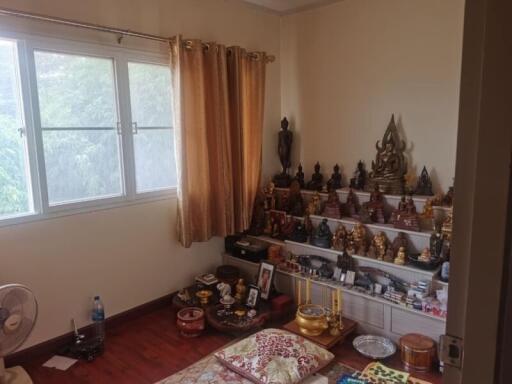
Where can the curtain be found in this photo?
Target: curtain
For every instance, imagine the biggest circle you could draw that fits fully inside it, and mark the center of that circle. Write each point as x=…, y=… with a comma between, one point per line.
x=218, y=113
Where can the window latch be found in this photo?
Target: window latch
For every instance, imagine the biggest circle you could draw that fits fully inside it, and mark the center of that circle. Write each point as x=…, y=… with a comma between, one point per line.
x=135, y=128
x=119, y=128
x=21, y=131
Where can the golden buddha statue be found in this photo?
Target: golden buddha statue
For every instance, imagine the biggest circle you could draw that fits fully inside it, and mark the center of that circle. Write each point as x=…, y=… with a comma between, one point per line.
x=339, y=239
x=315, y=205
x=380, y=244
x=358, y=235
x=425, y=256
x=400, y=256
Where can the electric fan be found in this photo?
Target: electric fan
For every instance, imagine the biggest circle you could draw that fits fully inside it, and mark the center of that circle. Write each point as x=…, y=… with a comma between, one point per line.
x=18, y=313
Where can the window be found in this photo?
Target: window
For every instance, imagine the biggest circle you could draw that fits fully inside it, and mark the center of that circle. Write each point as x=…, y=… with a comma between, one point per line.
x=15, y=189
x=82, y=125
x=150, y=98
x=78, y=114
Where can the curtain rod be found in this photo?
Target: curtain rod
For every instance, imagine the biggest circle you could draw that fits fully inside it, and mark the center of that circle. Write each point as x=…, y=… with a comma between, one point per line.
x=91, y=26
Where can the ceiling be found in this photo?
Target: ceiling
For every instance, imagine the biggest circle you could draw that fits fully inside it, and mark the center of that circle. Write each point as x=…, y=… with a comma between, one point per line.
x=289, y=6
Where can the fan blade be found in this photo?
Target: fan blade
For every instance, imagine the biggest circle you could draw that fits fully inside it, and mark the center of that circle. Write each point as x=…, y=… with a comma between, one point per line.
x=9, y=342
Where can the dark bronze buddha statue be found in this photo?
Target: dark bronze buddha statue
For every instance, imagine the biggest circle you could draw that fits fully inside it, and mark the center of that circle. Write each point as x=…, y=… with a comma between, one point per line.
x=335, y=181
x=389, y=167
x=424, y=185
x=360, y=175
x=284, y=149
x=316, y=182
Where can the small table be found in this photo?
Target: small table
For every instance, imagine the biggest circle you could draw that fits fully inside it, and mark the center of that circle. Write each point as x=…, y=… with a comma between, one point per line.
x=326, y=340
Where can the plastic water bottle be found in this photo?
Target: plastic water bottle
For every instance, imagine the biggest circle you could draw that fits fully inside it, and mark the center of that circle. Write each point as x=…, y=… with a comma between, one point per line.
x=98, y=317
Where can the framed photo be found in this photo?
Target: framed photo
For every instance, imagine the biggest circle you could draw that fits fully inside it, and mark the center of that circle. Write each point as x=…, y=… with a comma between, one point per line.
x=253, y=296
x=265, y=278
x=337, y=274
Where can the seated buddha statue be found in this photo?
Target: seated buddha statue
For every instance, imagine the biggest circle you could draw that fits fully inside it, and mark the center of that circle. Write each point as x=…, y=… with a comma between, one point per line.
x=332, y=207
x=351, y=204
x=358, y=235
x=408, y=218
x=316, y=182
x=389, y=167
x=375, y=206
x=340, y=238
x=295, y=200
x=322, y=235
x=335, y=181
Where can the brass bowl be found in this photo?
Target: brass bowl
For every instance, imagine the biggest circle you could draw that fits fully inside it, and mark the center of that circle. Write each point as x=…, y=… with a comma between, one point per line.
x=204, y=296
x=311, y=319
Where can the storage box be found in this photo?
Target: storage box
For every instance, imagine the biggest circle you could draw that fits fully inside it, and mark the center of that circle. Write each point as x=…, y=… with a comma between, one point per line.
x=250, y=250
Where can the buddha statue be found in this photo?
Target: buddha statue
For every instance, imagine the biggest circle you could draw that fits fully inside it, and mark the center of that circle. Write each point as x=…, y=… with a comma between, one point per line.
x=424, y=185
x=295, y=200
x=270, y=196
x=359, y=180
x=282, y=201
x=339, y=239
x=446, y=228
x=389, y=256
x=287, y=229
x=284, y=149
x=332, y=207
x=299, y=176
x=447, y=200
x=316, y=182
x=358, y=234
x=380, y=244
x=299, y=234
x=258, y=215
x=436, y=243
x=389, y=168
x=425, y=256
x=322, y=235
x=402, y=207
x=428, y=210
x=375, y=206
x=351, y=204
x=408, y=218
x=400, y=241
x=240, y=290
x=335, y=181
x=400, y=257
x=315, y=205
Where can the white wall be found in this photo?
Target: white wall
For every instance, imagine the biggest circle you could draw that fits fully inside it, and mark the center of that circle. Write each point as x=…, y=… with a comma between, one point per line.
x=128, y=255
x=347, y=66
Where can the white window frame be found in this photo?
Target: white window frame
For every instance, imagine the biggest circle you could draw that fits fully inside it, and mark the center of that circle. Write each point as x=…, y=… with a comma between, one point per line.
x=26, y=46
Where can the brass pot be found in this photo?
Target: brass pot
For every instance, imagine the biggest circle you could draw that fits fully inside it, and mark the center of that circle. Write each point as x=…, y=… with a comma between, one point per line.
x=204, y=296
x=311, y=319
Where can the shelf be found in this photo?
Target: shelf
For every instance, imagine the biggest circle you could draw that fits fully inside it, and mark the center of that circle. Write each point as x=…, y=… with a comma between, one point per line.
x=369, y=260
x=381, y=227
x=345, y=289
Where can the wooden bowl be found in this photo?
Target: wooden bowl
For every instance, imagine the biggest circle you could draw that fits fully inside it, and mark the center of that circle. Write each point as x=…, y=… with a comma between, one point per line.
x=191, y=321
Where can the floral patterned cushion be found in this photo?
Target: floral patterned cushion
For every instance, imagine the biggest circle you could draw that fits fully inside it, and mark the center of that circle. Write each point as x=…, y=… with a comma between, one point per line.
x=274, y=356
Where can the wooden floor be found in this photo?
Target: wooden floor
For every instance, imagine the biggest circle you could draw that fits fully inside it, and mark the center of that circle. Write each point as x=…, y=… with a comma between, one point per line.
x=149, y=348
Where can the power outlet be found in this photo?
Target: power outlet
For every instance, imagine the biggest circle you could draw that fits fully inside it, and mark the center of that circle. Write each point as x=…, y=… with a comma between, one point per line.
x=451, y=350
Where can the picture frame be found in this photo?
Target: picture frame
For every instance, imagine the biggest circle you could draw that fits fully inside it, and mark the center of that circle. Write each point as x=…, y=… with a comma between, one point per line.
x=337, y=274
x=265, y=278
x=350, y=278
x=253, y=296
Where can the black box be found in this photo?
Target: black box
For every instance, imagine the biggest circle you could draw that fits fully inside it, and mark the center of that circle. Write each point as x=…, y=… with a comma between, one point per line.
x=250, y=249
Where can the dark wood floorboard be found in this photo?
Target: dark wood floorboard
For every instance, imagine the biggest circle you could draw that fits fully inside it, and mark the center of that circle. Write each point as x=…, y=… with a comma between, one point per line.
x=148, y=349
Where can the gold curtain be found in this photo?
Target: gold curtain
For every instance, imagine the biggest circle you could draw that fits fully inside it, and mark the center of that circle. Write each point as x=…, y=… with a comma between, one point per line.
x=218, y=104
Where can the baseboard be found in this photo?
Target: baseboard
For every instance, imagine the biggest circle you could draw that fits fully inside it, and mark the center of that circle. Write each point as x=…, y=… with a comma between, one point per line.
x=51, y=346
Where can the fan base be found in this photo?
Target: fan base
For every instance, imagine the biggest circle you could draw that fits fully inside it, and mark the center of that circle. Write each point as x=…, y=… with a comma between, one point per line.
x=16, y=375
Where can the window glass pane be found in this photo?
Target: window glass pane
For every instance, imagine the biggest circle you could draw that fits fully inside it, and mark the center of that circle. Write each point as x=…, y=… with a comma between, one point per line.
x=155, y=163
x=78, y=111
x=150, y=97
x=15, y=194
x=150, y=94
x=81, y=165
x=75, y=91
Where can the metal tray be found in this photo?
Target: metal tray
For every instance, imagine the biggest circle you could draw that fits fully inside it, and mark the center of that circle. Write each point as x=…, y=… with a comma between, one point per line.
x=374, y=347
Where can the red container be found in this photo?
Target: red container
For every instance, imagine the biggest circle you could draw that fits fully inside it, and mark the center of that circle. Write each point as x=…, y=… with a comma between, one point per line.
x=191, y=321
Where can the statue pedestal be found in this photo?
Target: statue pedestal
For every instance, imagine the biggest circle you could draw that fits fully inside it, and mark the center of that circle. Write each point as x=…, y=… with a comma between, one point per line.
x=387, y=186
x=282, y=180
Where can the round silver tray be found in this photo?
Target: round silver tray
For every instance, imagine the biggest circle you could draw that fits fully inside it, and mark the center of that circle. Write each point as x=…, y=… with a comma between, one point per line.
x=374, y=347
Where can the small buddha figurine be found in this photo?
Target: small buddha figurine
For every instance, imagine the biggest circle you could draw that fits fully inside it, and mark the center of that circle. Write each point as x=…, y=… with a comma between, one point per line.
x=402, y=207
x=351, y=204
x=425, y=256
x=446, y=228
x=375, y=206
x=400, y=241
x=339, y=239
x=299, y=234
x=350, y=247
x=358, y=234
x=322, y=235
x=284, y=149
x=270, y=196
x=408, y=218
x=315, y=205
x=424, y=185
x=287, y=229
x=258, y=215
x=400, y=257
x=299, y=176
x=360, y=175
x=389, y=256
x=448, y=198
x=335, y=181
x=436, y=243
x=380, y=242
x=316, y=182
x=428, y=210
x=332, y=207
x=295, y=201
x=240, y=290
